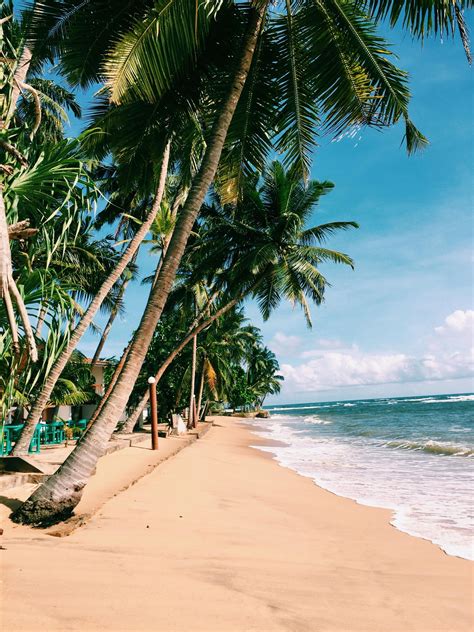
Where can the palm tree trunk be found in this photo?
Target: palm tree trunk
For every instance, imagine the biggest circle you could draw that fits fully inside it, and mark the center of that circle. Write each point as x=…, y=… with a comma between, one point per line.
x=133, y=418
x=57, y=497
x=8, y=288
x=18, y=80
x=192, y=394
x=23, y=443
x=110, y=387
x=110, y=322
x=127, y=427
x=201, y=390
x=112, y=317
x=40, y=322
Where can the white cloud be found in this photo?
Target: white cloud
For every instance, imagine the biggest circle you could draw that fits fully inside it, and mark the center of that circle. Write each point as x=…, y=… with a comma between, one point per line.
x=460, y=321
x=330, y=343
x=323, y=350
x=446, y=358
x=283, y=344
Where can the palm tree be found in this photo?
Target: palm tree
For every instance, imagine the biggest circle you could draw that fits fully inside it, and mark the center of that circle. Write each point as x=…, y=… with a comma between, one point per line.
x=262, y=377
x=262, y=249
x=330, y=48
x=22, y=445
x=223, y=346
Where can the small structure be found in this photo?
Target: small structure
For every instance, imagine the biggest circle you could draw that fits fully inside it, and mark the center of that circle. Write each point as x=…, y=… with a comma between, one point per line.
x=179, y=427
x=82, y=411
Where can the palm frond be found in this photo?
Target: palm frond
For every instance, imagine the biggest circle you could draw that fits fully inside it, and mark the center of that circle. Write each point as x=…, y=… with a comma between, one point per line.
x=158, y=49
x=429, y=17
x=354, y=79
x=298, y=113
x=248, y=142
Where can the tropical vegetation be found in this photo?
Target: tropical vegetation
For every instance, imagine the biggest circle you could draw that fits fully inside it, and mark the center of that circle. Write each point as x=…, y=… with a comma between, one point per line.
x=192, y=101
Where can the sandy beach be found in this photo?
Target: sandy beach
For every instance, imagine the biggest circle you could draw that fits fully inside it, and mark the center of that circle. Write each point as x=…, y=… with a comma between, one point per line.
x=221, y=538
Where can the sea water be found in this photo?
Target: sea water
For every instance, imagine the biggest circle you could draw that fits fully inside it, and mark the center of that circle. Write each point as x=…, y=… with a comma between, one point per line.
x=413, y=455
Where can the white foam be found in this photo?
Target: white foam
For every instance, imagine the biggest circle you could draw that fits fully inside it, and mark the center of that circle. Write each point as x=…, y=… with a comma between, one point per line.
x=301, y=408
x=449, y=400
x=430, y=496
x=314, y=419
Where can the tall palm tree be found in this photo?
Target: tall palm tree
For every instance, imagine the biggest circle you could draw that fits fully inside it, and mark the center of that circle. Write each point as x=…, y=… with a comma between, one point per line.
x=330, y=48
x=263, y=249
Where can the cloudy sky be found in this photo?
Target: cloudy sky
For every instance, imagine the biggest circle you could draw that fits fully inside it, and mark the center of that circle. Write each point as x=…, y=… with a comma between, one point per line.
x=401, y=322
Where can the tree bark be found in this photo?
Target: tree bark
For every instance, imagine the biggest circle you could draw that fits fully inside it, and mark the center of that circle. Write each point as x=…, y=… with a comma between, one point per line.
x=23, y=443
x=113, y=315
x=201, y=390
x=192, y=394
x=19, y=79
x=56, y=498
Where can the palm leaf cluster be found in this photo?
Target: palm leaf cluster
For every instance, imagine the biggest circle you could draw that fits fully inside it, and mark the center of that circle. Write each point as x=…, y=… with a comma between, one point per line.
x=319, y=66
x=263, y=247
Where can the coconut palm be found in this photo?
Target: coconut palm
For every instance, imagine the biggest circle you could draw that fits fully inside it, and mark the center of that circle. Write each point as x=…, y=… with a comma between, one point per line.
x=262, y=377
x=222, y=347
x=331, y=50
x=261, y=248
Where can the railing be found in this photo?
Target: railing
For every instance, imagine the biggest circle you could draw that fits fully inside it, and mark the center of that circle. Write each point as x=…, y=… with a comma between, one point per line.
x=52, y=433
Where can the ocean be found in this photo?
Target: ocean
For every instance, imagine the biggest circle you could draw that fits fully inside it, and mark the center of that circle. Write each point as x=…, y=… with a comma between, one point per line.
x=413, y=455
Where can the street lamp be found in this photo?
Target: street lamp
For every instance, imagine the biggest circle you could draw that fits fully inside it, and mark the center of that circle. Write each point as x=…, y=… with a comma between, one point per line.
x=154, y=414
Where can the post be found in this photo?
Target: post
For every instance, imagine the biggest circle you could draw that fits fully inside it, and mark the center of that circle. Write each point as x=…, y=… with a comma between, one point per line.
x=195, y=419
x=154, y=414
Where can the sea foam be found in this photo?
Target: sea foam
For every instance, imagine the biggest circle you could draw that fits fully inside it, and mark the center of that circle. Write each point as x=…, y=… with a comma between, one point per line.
x=388, y=459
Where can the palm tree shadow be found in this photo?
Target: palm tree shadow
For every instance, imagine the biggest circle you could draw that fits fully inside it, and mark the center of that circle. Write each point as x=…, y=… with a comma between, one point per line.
x=11, y=503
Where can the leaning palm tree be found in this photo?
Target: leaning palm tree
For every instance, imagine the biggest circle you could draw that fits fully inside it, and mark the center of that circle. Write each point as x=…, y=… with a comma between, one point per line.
x=261, y=248
x=333, y=56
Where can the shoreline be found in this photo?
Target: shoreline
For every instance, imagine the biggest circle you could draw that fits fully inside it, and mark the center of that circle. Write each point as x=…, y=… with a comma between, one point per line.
x=264, y=447
x=428, y=513
x=222, y=538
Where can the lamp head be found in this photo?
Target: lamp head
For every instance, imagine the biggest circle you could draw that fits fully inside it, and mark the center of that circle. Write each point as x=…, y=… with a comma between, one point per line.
x=151, y=380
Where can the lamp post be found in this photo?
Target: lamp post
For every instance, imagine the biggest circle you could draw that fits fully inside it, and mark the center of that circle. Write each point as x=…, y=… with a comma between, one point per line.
x=154, y=414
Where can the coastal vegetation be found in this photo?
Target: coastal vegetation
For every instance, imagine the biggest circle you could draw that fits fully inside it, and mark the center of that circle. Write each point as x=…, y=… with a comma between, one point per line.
x=192, y=101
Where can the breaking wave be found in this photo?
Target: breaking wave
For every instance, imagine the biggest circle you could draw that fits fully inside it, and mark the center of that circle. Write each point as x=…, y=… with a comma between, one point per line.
x=432, y=447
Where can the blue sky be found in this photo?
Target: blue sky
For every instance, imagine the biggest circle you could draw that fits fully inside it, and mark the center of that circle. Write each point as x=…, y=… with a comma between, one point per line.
x=383, y=330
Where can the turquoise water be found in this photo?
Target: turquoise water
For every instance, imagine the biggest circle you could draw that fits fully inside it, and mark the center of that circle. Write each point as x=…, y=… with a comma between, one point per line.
x=413, y=455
